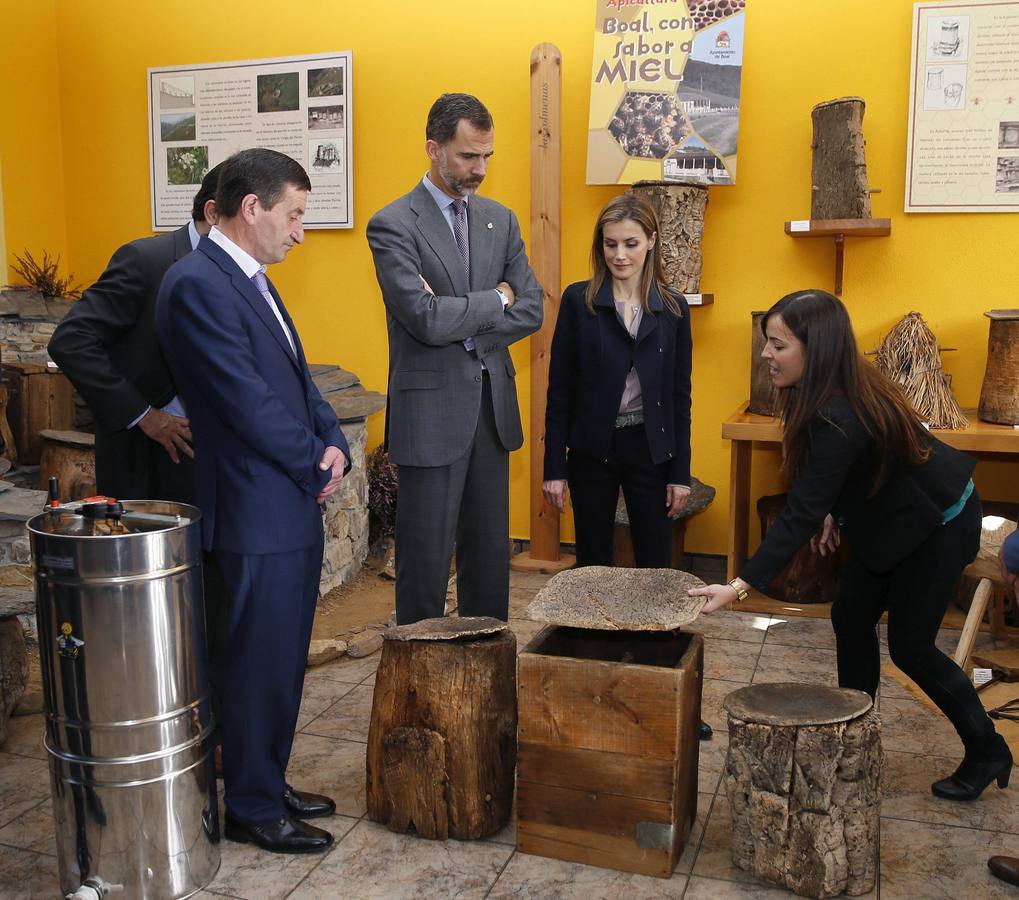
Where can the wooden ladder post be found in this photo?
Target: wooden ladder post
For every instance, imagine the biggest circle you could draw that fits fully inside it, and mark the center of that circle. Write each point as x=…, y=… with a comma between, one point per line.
x=546, y=215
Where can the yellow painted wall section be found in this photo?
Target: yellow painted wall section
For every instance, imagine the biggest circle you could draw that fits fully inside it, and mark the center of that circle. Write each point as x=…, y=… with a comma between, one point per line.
x=949, y=267
x=31, y=148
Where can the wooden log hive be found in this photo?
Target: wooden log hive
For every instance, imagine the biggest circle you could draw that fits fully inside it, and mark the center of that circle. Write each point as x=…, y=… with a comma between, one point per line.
x=442, y=739
x=680, y=209
x=839, y=165
x=71, y=457
x=999, y=394
x=803, y=777
x=608, y=747
x=763, y=394
x=809, y=577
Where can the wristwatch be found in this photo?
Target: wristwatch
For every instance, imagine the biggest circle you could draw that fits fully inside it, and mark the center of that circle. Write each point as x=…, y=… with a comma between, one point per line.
x=503, y=297
x=741, y=592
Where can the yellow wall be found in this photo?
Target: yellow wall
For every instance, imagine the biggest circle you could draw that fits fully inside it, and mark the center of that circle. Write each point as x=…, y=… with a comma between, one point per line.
x=949, y=267
x=32, y=198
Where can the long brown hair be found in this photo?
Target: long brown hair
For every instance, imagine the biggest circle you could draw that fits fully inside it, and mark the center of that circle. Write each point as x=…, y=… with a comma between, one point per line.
x=632, y=207
x=834, y=367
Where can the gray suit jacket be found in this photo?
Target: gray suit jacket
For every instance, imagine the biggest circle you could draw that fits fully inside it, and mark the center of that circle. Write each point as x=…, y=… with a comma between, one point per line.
x=434, y=383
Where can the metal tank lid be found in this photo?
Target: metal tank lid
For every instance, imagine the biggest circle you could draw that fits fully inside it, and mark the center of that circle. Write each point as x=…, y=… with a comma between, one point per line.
x=89, y=518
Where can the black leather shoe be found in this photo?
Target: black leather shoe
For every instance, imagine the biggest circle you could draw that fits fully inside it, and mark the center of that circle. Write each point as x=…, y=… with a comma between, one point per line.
x=285, y=836
x=1005, y=867
x=976, y=772
x=302, y=805
x=705, y=731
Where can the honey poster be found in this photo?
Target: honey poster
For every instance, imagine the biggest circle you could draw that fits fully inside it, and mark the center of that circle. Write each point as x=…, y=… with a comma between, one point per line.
x=963, y=143
x=665, y=91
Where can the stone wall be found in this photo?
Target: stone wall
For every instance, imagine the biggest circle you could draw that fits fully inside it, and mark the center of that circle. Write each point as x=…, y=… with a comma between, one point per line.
x=346, y=517
x=27, y=322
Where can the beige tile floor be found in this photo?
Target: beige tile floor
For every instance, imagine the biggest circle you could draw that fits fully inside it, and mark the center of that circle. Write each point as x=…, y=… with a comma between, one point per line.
x=929, y=848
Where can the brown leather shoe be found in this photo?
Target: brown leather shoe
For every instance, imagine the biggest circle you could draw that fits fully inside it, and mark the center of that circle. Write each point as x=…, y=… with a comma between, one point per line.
x=1005, y=867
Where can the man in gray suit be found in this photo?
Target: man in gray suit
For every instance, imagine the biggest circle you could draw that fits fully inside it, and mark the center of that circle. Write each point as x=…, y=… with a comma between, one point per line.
x=458, y=291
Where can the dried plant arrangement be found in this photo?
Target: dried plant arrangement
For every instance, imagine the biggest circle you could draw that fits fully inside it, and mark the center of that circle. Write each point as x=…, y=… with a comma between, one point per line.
x=383, y=484
x=43, y=276
x=911, y=357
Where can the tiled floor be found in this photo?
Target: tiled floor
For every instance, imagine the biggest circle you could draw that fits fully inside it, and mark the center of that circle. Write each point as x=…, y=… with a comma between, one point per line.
x=929, y=848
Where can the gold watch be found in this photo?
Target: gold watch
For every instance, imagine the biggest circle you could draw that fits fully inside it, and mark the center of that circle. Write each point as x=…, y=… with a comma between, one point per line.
x=741, y=592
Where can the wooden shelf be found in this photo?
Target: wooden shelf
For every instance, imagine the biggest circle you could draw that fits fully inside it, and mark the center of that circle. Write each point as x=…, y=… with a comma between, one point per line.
x=839, y=229
x=699, y=299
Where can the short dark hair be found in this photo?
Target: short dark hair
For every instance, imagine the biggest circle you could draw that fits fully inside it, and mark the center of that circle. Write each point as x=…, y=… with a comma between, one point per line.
x=264, y=173
x=206, y=193
x=448, y=110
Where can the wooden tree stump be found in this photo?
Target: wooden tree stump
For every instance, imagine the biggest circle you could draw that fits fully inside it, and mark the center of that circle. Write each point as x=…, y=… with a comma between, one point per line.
x=803, y=776
x=71, y=457
x=680, y=209
x=763, y=394
x=809, y=577
x=999, y=393
x=839, y=169
x=442, y=740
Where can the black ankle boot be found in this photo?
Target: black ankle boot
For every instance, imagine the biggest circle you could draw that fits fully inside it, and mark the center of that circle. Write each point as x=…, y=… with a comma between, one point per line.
x=976, y=771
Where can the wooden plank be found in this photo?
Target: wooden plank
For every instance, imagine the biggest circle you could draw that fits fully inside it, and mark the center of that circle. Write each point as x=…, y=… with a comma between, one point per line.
x=615, y=773
x=848, y=227
x=575, y=845
x=572, y=845
x=589, y=812
x=598, y=705
x=546, y=215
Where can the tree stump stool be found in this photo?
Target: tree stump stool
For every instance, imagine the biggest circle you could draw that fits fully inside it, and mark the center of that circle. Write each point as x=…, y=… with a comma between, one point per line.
x=71, y=457
x=442, y=739
x=803, y=776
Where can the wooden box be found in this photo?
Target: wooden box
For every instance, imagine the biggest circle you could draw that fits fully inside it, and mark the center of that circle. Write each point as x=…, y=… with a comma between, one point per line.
x=607, y=746
x=40, y=398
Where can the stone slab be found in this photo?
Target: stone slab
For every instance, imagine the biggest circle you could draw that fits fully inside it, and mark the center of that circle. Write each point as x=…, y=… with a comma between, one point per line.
x=617, y=599
x=445, y=629
x=16, y=602
x=795, y=705
x=334, y=380
x=20, y=504
x=355, y=403
x=701, y=497
x=72, y=438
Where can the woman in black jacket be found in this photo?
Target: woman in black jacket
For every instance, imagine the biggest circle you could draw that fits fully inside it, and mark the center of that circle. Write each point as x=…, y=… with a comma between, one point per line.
x=619, y=393
x=862, y=465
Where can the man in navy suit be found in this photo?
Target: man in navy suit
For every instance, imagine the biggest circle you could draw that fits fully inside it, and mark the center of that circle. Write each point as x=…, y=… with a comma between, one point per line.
x=268, y=451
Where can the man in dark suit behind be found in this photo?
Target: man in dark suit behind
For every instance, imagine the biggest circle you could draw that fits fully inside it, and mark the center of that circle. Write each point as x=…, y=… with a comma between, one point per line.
x=268, y=451
x=106, y=345
x=458, y=291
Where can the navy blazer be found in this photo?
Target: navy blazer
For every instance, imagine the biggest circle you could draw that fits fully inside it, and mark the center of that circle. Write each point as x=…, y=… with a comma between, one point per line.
x=882, y=528
x=591, y=357
x=260, y=425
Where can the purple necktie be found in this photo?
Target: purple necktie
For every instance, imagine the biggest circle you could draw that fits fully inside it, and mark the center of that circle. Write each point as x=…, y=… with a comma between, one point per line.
x=262, y=283
x=460, y=235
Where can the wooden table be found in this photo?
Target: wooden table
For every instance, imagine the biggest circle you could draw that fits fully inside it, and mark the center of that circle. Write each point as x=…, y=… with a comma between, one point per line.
x=745, y=428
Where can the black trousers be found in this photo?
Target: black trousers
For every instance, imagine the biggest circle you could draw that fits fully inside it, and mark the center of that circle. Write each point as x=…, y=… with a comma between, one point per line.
x=594, y=492
x=915, y=594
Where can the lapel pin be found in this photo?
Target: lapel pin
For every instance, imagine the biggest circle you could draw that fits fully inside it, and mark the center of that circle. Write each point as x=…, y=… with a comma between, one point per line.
x=489, y=226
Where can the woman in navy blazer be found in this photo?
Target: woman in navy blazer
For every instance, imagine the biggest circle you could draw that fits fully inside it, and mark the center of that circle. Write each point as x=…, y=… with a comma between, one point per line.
x=863, y=465
x=618, y=412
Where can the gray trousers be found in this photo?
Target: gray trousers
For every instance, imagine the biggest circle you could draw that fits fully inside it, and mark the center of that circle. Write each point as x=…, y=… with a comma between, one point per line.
x=466, y=503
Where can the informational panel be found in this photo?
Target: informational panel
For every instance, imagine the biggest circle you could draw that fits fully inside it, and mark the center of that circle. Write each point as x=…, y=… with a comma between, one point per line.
x=665, y=91
x=298, y=105
x=963, y=145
